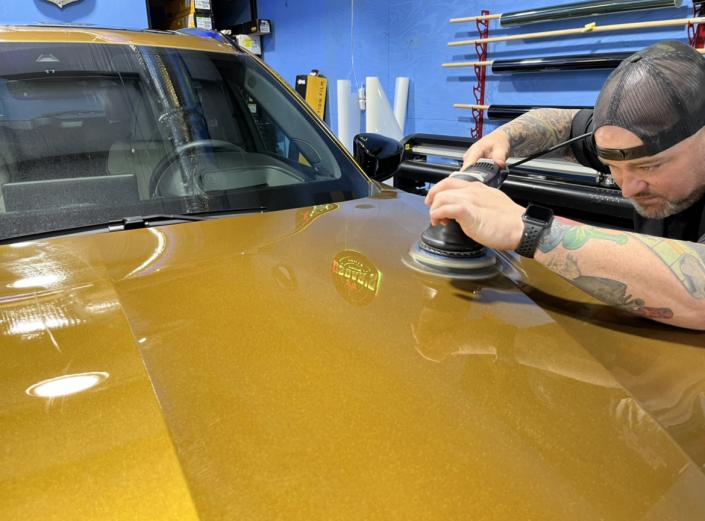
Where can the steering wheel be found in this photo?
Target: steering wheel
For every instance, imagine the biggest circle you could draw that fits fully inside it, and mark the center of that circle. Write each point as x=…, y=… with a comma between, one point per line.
x=167, y=161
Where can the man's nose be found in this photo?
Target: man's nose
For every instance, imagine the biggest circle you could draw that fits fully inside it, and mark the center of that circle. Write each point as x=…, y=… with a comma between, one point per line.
x=632, y=185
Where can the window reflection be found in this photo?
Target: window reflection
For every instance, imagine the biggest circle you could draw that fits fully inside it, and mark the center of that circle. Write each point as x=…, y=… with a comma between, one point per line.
x=35, y=281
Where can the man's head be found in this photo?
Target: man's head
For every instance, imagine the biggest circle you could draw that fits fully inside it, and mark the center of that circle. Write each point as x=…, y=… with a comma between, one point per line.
x=649, y=121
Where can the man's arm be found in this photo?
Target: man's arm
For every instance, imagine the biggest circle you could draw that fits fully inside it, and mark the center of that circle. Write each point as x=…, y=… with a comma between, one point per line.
x=540, y=129
x=532, y=132
x=661, y=279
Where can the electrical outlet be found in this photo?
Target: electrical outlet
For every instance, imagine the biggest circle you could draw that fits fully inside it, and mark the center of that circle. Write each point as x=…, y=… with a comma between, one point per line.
x=362, y=97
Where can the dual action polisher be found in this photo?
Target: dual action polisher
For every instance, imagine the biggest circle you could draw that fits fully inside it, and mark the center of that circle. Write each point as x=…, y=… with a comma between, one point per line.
x=445, y=250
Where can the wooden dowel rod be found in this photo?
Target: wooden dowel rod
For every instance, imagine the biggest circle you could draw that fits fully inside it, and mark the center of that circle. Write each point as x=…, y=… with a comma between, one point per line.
x=588, y=28
x=466, y=106
x=469, y=64
x=476, y=18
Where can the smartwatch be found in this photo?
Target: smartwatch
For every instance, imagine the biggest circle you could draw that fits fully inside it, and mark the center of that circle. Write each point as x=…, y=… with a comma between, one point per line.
x=537, y=219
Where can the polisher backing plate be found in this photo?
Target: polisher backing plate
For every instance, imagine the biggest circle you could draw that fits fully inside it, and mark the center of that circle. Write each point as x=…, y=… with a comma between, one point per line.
x=466, y=268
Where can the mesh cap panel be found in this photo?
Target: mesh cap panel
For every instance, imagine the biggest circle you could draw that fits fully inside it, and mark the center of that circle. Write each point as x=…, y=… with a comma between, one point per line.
x=658, y=94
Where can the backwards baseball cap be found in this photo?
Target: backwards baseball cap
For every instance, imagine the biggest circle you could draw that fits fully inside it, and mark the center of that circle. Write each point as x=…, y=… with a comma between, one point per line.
x=658, y=94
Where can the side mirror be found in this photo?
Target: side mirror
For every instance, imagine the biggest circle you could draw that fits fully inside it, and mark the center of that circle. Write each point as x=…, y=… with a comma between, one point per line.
x=379, y=156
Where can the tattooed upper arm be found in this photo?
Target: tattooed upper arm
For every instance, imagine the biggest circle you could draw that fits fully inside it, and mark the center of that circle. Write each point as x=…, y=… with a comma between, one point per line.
x=539, y=129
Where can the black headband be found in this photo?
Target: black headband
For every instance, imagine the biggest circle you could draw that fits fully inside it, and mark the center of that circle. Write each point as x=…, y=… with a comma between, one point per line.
x=624, y=154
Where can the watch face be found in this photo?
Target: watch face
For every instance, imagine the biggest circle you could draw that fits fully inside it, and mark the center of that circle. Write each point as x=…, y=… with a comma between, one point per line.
x=539, y=213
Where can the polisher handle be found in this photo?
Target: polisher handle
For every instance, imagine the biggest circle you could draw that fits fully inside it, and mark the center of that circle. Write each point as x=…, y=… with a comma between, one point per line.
x=484, y=171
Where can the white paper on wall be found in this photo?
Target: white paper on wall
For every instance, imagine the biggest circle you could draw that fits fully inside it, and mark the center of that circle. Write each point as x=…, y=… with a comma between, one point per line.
x=380, y=117
x=401, y=99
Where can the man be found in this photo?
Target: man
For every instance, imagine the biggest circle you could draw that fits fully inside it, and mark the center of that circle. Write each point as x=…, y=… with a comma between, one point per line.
x=649, y=132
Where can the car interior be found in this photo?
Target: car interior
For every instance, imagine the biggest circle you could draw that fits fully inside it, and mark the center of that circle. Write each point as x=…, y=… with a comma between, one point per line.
x=78, y=138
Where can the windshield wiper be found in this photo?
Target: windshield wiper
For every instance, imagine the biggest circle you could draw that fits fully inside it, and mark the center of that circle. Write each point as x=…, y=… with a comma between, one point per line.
x=132, y=223
x=147, y=221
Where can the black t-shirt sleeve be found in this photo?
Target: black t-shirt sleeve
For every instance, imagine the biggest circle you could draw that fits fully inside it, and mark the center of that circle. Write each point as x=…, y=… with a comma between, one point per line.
x=585, y=150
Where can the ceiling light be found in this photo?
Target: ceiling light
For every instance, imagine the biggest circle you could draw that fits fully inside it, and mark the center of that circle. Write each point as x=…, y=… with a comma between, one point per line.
x=66, y=384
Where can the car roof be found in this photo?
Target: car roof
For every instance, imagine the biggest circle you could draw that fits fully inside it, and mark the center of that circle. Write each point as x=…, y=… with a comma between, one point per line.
x=85, y=34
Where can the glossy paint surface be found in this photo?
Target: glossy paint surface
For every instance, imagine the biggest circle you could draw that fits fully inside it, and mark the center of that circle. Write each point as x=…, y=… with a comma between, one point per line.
x=38, y=34
x=288, y=365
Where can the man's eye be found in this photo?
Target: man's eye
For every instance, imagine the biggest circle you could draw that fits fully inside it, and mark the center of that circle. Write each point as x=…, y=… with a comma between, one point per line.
x=649, y=168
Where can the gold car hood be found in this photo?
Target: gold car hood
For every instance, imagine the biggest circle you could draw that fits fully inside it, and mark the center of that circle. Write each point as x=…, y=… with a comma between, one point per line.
x=288, y=365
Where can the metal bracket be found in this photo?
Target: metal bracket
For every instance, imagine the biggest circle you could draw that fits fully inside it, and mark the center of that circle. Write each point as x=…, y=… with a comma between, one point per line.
x=483, y=28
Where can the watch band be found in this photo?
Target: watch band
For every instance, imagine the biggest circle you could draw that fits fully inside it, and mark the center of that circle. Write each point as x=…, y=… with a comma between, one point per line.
x=533, y=230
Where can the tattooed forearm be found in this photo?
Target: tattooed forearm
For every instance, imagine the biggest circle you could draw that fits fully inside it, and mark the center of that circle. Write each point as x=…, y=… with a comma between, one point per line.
x=685, y=260
x=573, y=237
x=626, y=270
x=609, y=291
x=538, y=130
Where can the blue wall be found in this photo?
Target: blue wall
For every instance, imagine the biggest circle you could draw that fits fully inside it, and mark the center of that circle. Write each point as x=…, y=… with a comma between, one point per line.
x=308, y=34
x=125, y=14
x=409, y=38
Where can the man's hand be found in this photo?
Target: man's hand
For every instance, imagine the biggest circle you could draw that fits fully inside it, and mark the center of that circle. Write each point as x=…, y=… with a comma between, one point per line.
x=485, y=214
x=494, y=146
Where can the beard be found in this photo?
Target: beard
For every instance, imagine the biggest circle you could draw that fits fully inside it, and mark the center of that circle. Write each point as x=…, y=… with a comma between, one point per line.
x=666, y=208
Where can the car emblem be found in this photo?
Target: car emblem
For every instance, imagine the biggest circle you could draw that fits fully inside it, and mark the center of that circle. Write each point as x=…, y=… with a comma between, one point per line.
x=355, y=278
x=62, y=3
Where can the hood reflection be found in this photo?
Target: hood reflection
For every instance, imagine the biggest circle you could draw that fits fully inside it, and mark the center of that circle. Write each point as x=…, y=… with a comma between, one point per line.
x=35, y=281
x=33, y=314
x=36, y=317
x=467, y=319
x=461, y=320
x=66, y=385
x=159, y=248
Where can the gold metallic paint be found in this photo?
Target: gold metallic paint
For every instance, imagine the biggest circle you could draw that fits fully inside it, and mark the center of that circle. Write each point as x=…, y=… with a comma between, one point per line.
x=243, y=385
x=104, y=453
x=42, y=34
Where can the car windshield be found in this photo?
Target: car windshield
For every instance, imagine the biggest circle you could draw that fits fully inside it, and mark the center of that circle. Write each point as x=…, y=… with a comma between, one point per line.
x=91, y=133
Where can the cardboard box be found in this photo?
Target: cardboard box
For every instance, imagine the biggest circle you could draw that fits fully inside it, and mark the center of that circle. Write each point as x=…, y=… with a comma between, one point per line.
x=250, y=42
x=178, y=8
x=189, y=21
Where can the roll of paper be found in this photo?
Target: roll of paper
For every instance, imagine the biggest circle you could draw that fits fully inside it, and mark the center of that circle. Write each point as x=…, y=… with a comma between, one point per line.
x=581, y=9
x=380, y=116
x=348, y=114
x=401, y=98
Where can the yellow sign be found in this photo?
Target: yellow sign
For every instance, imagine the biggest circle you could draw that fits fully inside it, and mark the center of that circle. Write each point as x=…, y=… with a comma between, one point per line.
x=316, y=89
